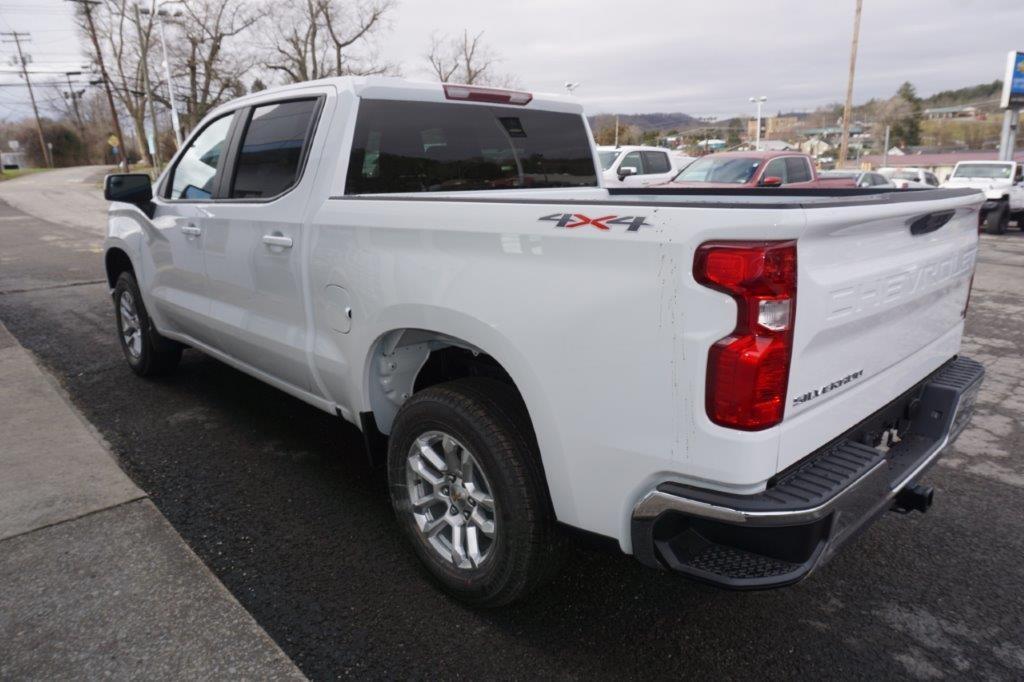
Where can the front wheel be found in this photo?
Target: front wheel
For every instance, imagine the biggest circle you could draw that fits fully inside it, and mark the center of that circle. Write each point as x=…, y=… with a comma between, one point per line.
x=469, y=492
x=147, y=353
x=997, y=220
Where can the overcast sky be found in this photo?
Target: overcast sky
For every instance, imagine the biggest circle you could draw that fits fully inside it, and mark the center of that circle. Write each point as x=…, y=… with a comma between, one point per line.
x=703, y=58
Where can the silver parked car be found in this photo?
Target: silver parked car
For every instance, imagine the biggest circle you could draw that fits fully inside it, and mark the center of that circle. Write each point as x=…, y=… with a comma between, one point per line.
x=859, y=178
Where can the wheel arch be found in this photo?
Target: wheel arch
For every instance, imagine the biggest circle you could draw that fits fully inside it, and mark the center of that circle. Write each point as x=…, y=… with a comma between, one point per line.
x=115, y=261
x=405, y=359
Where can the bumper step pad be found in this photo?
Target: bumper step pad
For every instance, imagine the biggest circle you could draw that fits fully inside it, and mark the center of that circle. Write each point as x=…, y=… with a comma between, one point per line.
x=729, y=562
x=810, y=484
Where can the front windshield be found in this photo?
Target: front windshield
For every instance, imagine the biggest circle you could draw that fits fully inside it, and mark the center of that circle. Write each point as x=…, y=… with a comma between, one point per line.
x=904, y=175
x=721, y=169
x=608, y=158
x=1000, y=171
x=839, y=174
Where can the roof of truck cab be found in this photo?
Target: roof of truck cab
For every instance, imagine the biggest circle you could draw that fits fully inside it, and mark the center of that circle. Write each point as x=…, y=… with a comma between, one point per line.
x=387, y=87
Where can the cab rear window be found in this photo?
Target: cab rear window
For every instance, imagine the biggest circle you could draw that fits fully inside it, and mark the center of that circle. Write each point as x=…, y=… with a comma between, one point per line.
x=441, y=147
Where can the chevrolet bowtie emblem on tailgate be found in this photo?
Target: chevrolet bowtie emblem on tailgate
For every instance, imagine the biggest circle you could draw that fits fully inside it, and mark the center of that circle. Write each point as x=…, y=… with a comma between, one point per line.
x=571, y=220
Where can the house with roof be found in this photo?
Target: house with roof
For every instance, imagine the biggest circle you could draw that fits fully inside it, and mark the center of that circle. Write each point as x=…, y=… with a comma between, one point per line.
x=964, y=111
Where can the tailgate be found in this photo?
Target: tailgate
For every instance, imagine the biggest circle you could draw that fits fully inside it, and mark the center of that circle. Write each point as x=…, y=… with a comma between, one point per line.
x=880, y=299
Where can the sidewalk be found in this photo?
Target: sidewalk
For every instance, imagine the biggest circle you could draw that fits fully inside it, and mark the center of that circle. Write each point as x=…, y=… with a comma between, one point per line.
x=93, y=580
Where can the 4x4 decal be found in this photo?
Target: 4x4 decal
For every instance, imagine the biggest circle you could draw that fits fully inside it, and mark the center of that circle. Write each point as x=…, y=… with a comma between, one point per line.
x=571, y=220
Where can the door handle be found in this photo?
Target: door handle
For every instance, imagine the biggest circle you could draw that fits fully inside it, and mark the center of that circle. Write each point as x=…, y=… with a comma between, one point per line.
x=191, y=230
x=277, y=240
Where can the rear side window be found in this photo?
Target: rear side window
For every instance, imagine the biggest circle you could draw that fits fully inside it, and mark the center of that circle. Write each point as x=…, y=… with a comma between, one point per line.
x=797, y=169
x=194, y=174
x=437, y=147
x=656, y=162
x=272, y=148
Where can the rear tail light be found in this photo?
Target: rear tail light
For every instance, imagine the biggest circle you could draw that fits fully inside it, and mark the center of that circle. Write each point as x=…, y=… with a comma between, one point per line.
x=748, y=370
x=472, y=93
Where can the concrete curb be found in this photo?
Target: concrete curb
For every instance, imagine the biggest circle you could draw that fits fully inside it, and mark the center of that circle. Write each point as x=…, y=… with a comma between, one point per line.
x=96, y=582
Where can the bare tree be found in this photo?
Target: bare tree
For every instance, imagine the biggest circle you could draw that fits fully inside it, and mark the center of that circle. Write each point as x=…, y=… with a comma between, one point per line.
x=465, y=59
x=443, y=60
x=328, y=38
x=205, y=53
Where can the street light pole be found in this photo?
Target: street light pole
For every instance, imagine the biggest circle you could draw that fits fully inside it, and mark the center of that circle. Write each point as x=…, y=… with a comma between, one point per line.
x=757, y=134
x=158, y=13
x=144, y=55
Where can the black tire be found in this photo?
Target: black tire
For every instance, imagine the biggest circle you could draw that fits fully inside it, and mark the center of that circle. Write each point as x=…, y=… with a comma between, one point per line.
x=489, y=419
x=997, y=220
x=152, y=355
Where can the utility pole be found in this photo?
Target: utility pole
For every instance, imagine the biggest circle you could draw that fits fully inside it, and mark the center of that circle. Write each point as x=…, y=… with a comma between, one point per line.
x=74, y=101
x=144, y=55
x=616, y=131
x=16, y=38
x=844, y=147
x=87, y=8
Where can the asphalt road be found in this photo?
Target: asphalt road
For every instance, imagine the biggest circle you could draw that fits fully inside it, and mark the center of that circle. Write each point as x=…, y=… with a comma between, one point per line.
x=276, y=498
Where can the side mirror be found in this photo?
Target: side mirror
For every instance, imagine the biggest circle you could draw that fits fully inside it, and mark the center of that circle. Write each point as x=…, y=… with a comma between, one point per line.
x=131, y=188
x=626, y=171
x=771, y=181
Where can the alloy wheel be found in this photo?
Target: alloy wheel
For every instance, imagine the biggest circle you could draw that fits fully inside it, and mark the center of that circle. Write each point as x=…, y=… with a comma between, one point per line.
x=451, y=500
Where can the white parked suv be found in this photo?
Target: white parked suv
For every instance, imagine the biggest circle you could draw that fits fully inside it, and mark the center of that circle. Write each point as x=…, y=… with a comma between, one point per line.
x=1003, y=185
x=724, y=383
x=637, y=166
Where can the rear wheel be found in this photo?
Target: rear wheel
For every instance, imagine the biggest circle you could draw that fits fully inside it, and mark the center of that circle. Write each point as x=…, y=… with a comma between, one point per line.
x=997, y=219
x=469, y=492
x=147, y=353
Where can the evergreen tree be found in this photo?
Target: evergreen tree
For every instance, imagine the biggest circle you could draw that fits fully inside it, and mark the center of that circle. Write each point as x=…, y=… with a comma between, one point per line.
x=906, y=130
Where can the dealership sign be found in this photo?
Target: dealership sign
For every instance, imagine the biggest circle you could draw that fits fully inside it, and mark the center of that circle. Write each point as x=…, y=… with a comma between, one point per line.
x=1013, y=84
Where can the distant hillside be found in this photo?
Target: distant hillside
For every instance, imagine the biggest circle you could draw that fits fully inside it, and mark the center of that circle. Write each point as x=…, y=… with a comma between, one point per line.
x=974, y=94
x=676, y=120
x=985, y=94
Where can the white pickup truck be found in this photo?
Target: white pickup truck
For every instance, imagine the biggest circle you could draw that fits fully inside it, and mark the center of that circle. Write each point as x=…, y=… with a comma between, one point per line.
x=724, y=383
x=638, y=166
x=1003, y=185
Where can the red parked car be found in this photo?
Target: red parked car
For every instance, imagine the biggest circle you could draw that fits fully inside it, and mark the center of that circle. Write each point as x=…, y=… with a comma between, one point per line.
x=753, y=169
